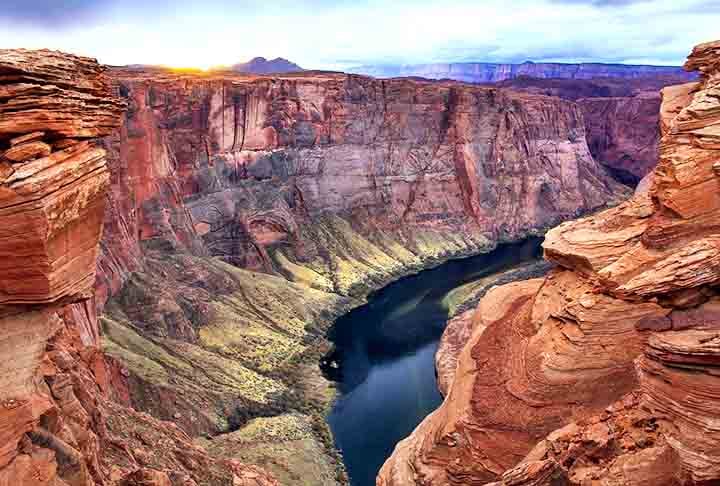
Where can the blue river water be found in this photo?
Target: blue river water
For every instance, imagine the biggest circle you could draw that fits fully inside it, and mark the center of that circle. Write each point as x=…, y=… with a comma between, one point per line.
x=384, y=358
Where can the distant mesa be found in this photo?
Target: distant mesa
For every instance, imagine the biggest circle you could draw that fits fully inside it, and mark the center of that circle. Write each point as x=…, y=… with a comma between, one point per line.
x=480, y=72
x=260, y=65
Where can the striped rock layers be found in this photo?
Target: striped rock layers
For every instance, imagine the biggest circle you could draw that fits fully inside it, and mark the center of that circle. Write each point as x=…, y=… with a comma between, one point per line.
x=604, y=372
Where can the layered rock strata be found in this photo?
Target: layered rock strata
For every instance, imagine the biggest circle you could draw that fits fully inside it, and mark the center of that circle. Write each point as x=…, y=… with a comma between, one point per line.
x=58, y=424
x=621, y=118
x=237, y=166
x=604, y=371
x=247, y=212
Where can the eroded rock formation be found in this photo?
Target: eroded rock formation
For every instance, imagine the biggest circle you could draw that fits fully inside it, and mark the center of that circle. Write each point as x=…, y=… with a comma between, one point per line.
x=621, y=118
x=242, y=215
x=247, y=212
x=58, y=424
x=239, y=166
x=604, y=372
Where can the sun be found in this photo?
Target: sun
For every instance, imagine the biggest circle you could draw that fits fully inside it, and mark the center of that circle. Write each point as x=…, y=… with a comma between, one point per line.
x=191, y=64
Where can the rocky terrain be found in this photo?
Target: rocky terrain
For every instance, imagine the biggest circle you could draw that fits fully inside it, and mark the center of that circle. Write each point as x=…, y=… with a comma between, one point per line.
x=248, y=212
x=621, y=117
x=620, y=107
x=60, y=424
x=482, y=72
x=176, y=245
x=603, y=372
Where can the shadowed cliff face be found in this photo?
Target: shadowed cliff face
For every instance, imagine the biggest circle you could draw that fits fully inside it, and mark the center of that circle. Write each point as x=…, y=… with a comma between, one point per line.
x=621, y=117
x=239, y=167
x=58, y=422
x=604, y=371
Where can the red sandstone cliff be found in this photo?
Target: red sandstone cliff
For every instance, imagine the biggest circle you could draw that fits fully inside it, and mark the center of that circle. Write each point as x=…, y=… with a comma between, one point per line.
x=58, y=424
x=328, y=186
x=604, y=372
x=198, y=157
x=621, y=118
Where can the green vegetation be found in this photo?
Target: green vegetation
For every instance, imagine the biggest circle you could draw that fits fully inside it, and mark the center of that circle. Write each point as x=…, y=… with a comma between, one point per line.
x=233, y=354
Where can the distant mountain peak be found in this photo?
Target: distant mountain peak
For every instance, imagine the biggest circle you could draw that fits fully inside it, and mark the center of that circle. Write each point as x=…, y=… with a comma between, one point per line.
x=261, y=65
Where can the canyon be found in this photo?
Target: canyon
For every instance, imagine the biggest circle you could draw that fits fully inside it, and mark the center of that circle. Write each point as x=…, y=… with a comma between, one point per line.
x=247, y=213
x=604, y=371
x=176, y=246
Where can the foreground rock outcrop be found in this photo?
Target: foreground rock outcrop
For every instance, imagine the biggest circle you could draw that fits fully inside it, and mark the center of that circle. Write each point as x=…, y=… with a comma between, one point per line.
x=58, y=423
x=604, y=372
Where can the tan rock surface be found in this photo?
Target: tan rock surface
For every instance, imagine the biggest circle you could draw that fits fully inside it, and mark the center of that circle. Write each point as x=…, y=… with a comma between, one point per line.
x=456, y=335
x=624, y=445
x=27, y=151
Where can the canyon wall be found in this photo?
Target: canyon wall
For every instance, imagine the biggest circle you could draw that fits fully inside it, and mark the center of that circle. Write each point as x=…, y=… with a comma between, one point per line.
x=239, y=216
x=247, y=212
x=621, y=117
x=481, y=72
x=266, y=155
x=58, y=423
x=603, y=372
x=620, y=104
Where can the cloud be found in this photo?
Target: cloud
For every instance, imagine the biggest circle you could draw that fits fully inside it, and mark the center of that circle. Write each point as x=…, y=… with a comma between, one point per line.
x=53, y=12
x=63, y=13
x=336, y=33
x=602, y=3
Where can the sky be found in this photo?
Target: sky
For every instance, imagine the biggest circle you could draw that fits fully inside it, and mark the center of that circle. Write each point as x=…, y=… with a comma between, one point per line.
x=324, y=34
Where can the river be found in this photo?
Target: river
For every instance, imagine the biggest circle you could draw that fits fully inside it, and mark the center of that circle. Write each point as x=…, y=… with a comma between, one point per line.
x=384, y=358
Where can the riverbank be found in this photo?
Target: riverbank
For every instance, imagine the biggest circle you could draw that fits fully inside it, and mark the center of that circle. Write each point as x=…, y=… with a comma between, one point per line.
x=384, y=356
x=220, y=350
x=240, y=372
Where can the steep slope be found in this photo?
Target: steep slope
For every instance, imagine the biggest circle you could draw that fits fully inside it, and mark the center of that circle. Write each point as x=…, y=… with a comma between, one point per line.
x=617, y=350
x=384, y=154
x=247, y=212
x=58, y=424
x=480, y=72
